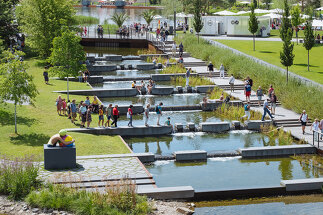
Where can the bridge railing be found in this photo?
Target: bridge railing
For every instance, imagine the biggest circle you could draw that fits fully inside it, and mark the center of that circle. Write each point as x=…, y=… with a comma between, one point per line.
x=317, y=135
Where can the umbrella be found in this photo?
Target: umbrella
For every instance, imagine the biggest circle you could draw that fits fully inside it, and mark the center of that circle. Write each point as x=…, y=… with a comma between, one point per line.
x=225, y=13
x=181, y=15
x=244, y=2
x=277, y=10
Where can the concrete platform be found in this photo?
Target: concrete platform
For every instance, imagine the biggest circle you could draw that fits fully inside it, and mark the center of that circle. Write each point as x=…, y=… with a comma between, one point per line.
x=205, y=89
x=168, y=192
x=256, y=124
x=143, y=157
x=145, y=66
x=270, y=151
x=137, y=109
x=190, y=155
x=162, y=91
x=303, y=184
x=104, y=93
x=215, y=127
x=94, y=69
x=126, y=131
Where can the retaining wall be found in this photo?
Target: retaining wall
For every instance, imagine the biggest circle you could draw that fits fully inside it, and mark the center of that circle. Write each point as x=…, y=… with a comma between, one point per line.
x=145, y=66
x=101, y=68
x=215, y=127
x=104, y=93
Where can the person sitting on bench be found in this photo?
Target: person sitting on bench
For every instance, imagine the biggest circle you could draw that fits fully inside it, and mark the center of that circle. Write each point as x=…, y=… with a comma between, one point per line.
x=60, y=139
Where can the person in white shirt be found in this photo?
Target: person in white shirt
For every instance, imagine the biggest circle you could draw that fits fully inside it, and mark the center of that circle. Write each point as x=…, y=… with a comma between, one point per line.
x=147, y=115
x=221, y=71
x=231, y=82
x=303, y=119
x=187, y=76
x=315, y=127
x=174, y=49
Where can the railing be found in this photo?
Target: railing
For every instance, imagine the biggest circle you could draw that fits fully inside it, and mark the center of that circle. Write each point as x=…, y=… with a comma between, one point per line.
x=317, y=135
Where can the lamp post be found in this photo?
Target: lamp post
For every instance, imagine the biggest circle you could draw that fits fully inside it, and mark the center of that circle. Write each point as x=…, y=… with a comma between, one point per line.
x=174, y=5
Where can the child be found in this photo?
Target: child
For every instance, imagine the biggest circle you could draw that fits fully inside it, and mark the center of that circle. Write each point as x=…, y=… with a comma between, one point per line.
x=64, y=107
x=168, y=122
x=88, y=116
x=108, y=113
x=101, y=117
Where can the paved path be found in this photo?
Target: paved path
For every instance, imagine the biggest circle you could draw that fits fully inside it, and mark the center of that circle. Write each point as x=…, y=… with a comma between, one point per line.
x=224, y=37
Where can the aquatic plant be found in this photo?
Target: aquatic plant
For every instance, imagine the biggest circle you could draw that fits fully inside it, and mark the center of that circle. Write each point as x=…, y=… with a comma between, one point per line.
x=274, y=133
x=235, y=113
x=160, y=59
x=193, y=81
x=174, y=69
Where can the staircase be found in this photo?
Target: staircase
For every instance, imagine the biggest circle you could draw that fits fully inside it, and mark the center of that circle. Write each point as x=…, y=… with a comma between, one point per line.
x=289, y=123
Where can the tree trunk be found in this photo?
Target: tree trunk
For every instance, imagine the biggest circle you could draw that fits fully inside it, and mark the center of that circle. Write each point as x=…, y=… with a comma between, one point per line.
x=308, y=60
x=198, y=37
x=16, y=118
x=68, y=95
x=254, y=43
x=296, y=37
x=287, y=74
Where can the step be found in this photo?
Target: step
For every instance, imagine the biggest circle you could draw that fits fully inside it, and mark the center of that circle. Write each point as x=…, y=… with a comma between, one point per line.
x=109, y=184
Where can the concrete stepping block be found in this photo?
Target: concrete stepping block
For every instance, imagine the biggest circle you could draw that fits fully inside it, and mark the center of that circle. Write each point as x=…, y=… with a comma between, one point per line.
x=190, y=155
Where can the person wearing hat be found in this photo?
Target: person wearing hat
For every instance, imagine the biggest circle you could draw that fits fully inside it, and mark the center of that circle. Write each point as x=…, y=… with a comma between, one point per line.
x=59, y=139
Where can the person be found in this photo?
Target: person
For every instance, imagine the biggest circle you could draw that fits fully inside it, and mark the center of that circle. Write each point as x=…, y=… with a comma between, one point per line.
x=221, y=71
x=273, y=100
x=87, y=101
x=64, y=107
x=231, y=82
x=59, y=139
x=147, y=115
x=154, y=61
x=133, y=84
x=95, y=104
x=315, y=127
x=187, y=76
x=89, y=116
x=45, y=74
x=250, y=81
x=167, y=122
x=167, y=62
x=101, y=117
x=69, y=113
x=109, y=114
x=59, y=103
x=191, y=30
x=115, y=114
x=151, y=86
x=205, y=101
x=303, y=119
x=246, y=111
x=270, y=90
x=83, y=110
x=227, y=99
x=260, y=94
x=181, y=60
x=266, y=110
x=210, y=68
x=86, y=75
x=247, y=89
x=73, y=110
x=318, y=37
x=129, y=115
x=159, y=112
x=157, y=33
x=166, y=34
x=80, y=76
x=221, y=97
x=321, y=127
x=174, y=49
x=181, y=49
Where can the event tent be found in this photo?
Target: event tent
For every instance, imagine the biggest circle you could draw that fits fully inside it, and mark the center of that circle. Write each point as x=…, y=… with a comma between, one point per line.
x=317, y=23
x=225, y=13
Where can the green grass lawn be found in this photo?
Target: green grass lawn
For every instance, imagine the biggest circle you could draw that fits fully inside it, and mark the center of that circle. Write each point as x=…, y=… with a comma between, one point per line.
x=270, y=52
x=37, y=124
x=275, y=34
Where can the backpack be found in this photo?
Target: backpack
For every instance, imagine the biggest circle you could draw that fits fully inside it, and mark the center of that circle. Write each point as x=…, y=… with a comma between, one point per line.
x=246, y=107
x=157, y=109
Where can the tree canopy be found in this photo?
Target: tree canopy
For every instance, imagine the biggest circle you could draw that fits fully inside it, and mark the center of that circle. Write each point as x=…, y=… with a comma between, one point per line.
x=253, y=24
x=119, y=18
x=309, y=41
x=7, y=26
x=197, y=22
x=148, y=16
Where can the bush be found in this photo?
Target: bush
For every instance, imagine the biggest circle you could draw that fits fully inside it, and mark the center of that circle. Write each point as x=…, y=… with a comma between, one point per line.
x=119, y=198
x=194, y=81
x=18, y=177
x=174, y=69
x=294, y=95
x=235, y=113
x=284, y=138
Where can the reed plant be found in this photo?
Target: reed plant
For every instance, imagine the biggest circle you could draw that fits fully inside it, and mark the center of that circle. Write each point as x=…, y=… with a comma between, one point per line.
x=160, y=59
x=146, y=51
x=18, y=176
x=217, y=92
x=174, y=69
x=274, y=133
x=85, y=20
x=193, y=81
x=119, y=198
x=230, y=112
x=294, y=95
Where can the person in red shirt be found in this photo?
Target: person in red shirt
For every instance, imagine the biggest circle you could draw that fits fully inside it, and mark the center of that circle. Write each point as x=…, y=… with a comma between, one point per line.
x=115, y=114
x=129, y=115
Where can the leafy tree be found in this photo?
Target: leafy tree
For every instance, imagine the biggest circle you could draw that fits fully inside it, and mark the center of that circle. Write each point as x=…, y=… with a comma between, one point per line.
x=309, y=41
x=67, y=56
x=253, y=25
x=232, y=2
x=119, y=19
x=255, y=3
x=16, y=84
x=296, y=19
x=148, y=16
x=197, y=22
x=286, y=34
x=42, y=20
x=7, y=26
x=267, y=3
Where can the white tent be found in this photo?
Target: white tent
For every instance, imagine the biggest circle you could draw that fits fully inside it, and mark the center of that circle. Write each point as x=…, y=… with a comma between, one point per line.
x=183, y=15
x=274, y=16
x=320, y=8
x=317, y=23
x=261, y=11
x=243, y=12
x=277, y=10
x=225, y=13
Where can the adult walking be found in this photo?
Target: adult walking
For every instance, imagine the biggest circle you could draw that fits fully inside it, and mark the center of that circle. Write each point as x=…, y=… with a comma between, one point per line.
x=266, y=110
x=231, y=82
x=187, y=76
x=181, y=49
x=129, y=115
x=115, y=113
x=221, y=71
x=315, y=128
x=159, y=112
x=210, y=68
x=174, y=49
x=260, y=94
x=247, y=111
x=273, y=100
x=45, y=74
x=270, y=90
x=247, y=90
x=303, y=119
x=147, y=115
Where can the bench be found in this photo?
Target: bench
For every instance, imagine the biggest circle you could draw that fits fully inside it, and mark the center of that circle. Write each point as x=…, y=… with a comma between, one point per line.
x=59, y=157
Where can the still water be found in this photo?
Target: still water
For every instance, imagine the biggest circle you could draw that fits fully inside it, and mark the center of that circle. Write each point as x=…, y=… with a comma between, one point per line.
x=126, y=84
x=130, y=73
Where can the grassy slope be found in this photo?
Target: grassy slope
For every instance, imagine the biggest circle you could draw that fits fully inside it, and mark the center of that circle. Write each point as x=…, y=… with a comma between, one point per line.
x=270, y=52
x=37, y=124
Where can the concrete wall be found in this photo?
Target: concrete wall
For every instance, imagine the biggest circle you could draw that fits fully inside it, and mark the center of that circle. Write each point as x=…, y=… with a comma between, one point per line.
x=113, y=57
x=168, y=77
x=144, y=57
x=101, y=68
x=183, y=192
x=190, y=155
x=215, y=127
x=303, y=184
x=204, y=89
x=145, y=66
x=162, y=91
x=256, y=124
x=106, y=93
x=127, y=131
x=137, y=109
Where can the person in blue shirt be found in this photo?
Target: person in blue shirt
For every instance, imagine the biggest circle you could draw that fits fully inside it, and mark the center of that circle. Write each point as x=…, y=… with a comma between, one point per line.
x=266, y=110
x=159, y=112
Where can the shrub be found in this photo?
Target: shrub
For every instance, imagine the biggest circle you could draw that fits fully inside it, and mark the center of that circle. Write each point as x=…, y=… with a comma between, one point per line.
x=235, y=113
x=161, y=60
x=18, y=176
x=193, y=81
x=294, y=95
x=119, y=198
x=284, y=138
x=174, y=69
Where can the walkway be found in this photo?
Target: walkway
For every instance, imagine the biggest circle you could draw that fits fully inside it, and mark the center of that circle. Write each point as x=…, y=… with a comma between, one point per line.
x=224, y=37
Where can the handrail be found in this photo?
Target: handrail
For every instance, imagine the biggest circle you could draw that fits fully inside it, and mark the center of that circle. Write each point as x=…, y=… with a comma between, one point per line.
x=317, y=134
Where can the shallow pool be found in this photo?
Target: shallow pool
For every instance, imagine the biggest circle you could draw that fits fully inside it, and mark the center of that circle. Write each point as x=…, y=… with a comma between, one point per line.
x=229, y=173
x=124, y=62
x=170, y=100
x=130, y=73
x=126, y=84
x=166, y=145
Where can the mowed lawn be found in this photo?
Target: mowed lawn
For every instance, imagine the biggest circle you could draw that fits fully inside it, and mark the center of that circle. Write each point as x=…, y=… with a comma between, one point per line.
x=37, y=124
x=270, y=52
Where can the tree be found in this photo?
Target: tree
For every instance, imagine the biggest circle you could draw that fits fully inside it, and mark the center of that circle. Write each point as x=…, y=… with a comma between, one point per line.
x=7, y=26
x=42, y=20
x=148, y=16
x=286, y=34
x=296, y=19
x=309, y=41
x=267, y=3
x=254, y=3
x=119, y=19
x=232, y=2
x=197, y=22
x=67, y=56
x=16, y=84
x=253, y=25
